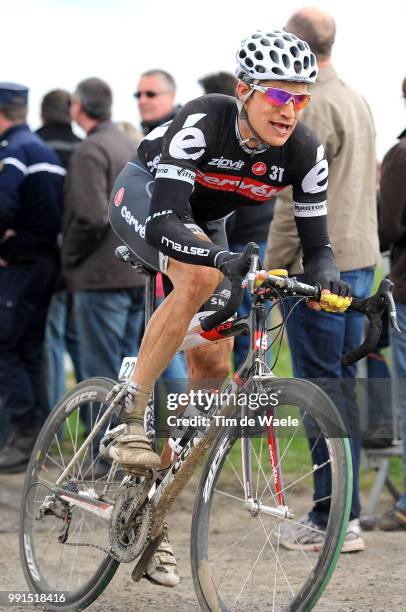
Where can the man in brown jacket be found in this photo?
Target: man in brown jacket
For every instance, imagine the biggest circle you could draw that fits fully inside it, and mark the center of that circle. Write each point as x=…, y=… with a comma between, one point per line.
x=342, y=120
x=108, y=296
x=392, y=231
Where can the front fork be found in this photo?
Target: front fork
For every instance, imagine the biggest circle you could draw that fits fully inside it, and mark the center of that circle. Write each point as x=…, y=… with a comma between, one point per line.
x=256, y=356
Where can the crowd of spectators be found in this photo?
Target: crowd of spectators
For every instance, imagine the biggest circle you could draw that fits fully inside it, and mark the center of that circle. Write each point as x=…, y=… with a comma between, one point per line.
x=63, y=291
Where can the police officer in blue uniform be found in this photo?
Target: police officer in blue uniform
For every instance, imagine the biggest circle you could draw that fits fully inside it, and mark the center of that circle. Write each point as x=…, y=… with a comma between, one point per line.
x=31, y=180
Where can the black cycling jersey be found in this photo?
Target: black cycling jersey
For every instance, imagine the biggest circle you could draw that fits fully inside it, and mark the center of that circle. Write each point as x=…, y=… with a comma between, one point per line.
x=199, y=164
x=195, y=169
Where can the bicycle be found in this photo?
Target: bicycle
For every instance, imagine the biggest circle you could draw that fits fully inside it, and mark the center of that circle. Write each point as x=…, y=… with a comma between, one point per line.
x=76, y=527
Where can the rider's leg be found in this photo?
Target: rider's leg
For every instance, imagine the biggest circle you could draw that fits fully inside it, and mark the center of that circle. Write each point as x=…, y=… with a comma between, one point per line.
x=208, y=366
x=193, y=285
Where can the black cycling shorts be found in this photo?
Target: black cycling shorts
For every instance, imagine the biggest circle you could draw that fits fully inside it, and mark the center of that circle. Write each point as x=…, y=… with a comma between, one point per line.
x=129, y=209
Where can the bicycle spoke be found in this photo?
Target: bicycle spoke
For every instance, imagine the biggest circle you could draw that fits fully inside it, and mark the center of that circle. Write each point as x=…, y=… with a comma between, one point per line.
x=235, y=472
x=247, y=535
x=276, y=556
x=253, y=567
x=239, y=499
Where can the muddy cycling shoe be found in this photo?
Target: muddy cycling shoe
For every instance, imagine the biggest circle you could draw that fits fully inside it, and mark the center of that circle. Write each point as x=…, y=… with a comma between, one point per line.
x=162, y=569
x=129, y=446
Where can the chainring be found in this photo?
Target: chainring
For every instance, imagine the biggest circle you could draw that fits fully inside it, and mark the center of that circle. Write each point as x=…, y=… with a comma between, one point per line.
x=126, y=544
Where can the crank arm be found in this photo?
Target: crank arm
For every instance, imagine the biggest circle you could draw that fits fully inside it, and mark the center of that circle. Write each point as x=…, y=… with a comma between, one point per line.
x=89, y=504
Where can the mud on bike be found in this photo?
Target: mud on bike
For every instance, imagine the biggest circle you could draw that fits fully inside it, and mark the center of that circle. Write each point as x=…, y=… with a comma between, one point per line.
x=78, y=525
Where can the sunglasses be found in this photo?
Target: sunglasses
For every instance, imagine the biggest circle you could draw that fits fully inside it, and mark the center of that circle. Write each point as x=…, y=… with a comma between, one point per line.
x=280, y=97
x=149, y=94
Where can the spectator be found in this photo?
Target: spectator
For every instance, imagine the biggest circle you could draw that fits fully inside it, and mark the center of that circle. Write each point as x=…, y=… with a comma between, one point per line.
x=60, y=333
x=56, y=127
x=219, y=82
x=392, y=229
x=249, y=223
x=342, y=120
x=156, y=95
x=128, y=128
x=30, y=217
x=108, y=295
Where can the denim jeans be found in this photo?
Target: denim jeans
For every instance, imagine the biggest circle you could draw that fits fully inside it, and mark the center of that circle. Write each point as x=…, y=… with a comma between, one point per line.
x=398, y=342
x=317, y=342
x=60, y=337
x=241, y=343
x=110, y=325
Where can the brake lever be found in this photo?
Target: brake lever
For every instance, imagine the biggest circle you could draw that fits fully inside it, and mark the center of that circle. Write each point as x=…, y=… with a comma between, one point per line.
x=253, y=270
x=390, y=305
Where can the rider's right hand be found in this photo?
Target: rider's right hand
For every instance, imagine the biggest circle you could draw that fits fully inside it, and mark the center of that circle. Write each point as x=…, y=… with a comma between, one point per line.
x=235, y=266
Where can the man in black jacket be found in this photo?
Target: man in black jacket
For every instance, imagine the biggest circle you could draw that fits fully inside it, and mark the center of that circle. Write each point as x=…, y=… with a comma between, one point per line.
x=60, y=333
x=56, y=127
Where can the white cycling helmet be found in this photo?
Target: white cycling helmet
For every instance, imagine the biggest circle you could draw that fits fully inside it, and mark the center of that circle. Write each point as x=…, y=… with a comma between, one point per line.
x=275, y=55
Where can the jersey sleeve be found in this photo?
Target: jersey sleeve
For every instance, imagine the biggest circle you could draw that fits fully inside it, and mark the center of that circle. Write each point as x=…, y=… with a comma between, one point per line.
x=309, y=186
x=310, y=176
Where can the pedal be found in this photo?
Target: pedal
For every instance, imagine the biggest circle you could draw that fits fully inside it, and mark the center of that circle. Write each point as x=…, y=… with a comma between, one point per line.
x=139, y=570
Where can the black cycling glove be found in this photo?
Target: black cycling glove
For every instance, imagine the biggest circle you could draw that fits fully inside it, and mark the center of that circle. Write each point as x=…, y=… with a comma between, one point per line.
x=320, y=268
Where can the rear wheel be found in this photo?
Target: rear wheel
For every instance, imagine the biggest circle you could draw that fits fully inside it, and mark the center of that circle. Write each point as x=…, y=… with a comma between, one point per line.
x=240, y=559
x=80, y=567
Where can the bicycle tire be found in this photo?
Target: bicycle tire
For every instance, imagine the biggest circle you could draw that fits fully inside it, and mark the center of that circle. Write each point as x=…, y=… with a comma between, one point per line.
x=314, y=402
x=35, y=569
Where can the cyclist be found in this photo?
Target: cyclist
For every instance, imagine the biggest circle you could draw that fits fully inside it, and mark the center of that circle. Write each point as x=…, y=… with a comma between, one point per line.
x=213, y=158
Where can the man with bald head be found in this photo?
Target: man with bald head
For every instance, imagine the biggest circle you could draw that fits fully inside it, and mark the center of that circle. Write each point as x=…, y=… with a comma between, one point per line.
x=342, y=120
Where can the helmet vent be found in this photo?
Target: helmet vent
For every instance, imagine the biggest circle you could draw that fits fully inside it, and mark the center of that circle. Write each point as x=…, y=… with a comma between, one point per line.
x=252, y=46
x=274, y=56
x=265, y=42
x=260, y=68
x=286, y=60
x=294, y=51
x=277, y=71
x=301, y=45
x=258, y=55
x=298, y=67
x=279, y=43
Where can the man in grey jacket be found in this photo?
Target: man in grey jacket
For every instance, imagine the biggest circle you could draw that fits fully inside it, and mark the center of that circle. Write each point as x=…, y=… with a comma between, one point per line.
x=108, y=295
x=342, y=120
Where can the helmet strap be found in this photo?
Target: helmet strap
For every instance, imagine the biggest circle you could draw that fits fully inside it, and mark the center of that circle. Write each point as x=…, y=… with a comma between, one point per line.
x=260, y=145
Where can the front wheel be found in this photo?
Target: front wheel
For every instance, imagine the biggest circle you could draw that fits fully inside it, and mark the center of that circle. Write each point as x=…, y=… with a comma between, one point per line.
x=64, y=550
x=247, y=558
